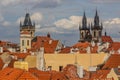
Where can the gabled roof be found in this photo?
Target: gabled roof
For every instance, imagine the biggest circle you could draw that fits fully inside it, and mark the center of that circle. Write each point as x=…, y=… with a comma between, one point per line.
x=20, y=55
x=107, y=39
x=114, y=46
x=65, y=50
x=83, y=46
x=80, y=44
x=27, y=75
x=10, y=74
x=100, y=75
x=112, y=62
x=46, y=42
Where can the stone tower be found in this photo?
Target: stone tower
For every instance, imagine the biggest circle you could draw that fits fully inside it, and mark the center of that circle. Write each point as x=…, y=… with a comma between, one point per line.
x=85, y=34
x=27, y=31
x=96, y=29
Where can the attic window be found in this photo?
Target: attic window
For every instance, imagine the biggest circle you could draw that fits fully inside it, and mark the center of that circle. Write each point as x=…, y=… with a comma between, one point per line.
x=60, y=68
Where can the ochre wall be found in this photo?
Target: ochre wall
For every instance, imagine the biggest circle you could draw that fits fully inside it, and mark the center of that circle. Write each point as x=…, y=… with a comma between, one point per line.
x=56, y=60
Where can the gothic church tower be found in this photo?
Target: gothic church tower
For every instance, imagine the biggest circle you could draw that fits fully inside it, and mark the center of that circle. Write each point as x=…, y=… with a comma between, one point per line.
x=27, y=31
x=85, y=34
x=96, y=29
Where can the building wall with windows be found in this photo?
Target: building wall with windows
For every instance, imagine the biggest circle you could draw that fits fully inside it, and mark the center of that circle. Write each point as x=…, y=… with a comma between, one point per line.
x=59, y=61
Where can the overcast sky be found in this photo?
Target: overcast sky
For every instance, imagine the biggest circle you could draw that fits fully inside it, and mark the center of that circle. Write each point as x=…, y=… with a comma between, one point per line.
x=58, y=17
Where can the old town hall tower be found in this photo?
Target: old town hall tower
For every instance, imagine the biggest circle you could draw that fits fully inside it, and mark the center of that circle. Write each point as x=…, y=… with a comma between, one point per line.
x=92, y=32
x=27, y=31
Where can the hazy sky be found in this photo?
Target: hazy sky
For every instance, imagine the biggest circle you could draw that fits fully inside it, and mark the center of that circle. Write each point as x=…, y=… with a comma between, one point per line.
x=58, y=17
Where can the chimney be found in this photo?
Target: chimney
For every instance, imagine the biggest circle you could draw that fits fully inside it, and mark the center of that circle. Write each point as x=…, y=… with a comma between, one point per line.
x=1, y=49
x=80, y=71
x=50, y=41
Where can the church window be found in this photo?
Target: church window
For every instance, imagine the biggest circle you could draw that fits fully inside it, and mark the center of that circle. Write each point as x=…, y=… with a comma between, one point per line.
x=22, y=42
x=27, y=42
x=82, y=34
x=94, y=34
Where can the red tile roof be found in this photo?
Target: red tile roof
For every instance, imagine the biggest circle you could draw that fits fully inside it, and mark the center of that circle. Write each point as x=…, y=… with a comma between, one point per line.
x=107, y=39
x=112, y=62
x=27, y=75
x=114, y=46
x=65, y=50
x=48, y=44
x=71, y=72
x=80, y=44
x=83, y=46
x=1, y=64
x=10, y=74
x=100, y=75
x=20, y=55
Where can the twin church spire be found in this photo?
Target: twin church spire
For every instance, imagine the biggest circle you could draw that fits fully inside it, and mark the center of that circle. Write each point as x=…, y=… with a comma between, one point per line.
x=90, y=32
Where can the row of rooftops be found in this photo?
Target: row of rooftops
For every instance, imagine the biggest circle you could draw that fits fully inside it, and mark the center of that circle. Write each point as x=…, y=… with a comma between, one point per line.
x=68, y=73
x=55, y=46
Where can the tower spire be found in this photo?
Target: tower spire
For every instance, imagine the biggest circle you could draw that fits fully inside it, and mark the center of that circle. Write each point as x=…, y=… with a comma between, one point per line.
x=96, y=19
x=27, y=20
x=84, y=21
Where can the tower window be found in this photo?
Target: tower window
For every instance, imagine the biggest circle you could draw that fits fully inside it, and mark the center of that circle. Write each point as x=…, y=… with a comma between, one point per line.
x=82, y=34
x=27, y=42
x=94, y=34
x=22, y=42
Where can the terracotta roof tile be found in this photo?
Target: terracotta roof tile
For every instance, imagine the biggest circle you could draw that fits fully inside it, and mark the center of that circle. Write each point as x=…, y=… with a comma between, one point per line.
x=20, y=55
x=80, y=44
x=100, y=74
x=65, y=50
x=1, y=63
x=107, y=39
x=112, y=62
x=27, y=75
x=48, y=44
x=114, y=46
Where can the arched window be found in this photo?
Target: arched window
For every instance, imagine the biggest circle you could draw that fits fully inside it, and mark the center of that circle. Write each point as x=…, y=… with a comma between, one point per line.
x=22, y=42
x=82, y=34
x=94, y=34
x=27, y=42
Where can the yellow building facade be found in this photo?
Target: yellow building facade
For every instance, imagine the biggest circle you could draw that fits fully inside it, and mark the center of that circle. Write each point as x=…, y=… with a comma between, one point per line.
x=21, y=65
x=55, y=61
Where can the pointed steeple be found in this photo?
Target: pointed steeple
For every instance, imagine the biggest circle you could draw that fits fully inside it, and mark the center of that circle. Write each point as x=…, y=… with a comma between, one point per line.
x=27, y=20
x=84, y=21
x=96, y=19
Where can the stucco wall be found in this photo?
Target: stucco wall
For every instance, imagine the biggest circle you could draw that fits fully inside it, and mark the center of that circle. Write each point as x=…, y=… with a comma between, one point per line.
x=56, y=60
